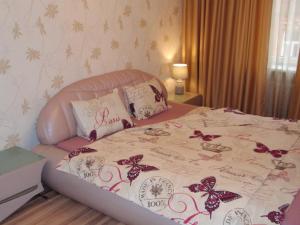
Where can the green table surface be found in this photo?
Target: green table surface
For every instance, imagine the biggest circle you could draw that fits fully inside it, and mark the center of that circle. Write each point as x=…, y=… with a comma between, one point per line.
x=15, y=158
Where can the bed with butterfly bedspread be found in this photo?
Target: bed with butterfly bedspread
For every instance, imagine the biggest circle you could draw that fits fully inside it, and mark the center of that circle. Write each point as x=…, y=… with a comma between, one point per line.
x=212, y=167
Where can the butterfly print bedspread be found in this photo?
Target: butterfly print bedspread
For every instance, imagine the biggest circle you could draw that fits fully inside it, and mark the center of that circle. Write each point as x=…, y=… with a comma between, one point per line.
x=211, y=167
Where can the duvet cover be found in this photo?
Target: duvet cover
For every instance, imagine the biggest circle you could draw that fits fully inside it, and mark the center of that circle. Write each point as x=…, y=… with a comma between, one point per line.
x=212, y=167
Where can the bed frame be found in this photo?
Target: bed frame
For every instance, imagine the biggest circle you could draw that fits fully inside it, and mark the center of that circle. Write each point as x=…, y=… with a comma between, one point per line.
x=56, y=123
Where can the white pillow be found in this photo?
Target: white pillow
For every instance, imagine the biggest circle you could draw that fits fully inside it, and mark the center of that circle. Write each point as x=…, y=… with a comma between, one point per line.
x=145, y=99
x=101, y=116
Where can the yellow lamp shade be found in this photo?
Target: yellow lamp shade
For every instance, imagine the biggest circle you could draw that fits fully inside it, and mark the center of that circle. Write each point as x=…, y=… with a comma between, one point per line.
x=180, y=71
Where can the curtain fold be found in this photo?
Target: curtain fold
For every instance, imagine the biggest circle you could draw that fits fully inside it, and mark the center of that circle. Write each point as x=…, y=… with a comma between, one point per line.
x=225, y=44
x=294, y=106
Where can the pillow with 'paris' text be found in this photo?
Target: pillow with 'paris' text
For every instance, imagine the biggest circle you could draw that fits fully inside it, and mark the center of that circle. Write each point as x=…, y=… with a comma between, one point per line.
x=101, y=116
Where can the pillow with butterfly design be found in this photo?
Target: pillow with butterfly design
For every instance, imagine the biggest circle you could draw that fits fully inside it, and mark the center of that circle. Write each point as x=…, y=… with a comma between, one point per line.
x=101, y=116
x=145, y=99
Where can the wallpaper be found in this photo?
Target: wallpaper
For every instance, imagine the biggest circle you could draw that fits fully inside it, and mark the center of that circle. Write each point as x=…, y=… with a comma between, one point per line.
x=48, y=44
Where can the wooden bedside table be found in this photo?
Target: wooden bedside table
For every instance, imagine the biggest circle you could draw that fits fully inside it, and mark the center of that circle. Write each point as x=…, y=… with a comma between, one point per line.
x=20, y=178
x=186, y=98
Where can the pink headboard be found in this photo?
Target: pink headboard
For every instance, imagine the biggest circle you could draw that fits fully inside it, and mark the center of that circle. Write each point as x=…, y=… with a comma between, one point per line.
x=56, y=121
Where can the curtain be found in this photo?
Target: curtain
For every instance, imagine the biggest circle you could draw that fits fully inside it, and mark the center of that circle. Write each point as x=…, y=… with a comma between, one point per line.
x=225, y=44
x=294, y=106
x=283, y=56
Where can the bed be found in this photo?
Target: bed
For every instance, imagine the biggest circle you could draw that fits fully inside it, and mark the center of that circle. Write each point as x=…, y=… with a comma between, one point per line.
x=167, y=190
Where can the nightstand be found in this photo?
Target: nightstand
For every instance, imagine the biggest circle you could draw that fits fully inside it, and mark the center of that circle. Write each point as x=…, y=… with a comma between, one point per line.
x=20, y=178
x=186, y=98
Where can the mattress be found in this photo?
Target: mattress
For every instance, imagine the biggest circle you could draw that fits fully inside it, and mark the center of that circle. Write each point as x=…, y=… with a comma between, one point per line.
x=119, y=207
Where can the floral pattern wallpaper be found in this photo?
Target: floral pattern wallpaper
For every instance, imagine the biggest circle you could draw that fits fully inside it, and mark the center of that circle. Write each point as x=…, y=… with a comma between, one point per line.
x=48, y=44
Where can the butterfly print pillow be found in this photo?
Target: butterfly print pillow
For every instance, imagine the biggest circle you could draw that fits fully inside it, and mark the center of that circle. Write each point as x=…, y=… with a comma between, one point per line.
x=101, y=116
x=145, y=99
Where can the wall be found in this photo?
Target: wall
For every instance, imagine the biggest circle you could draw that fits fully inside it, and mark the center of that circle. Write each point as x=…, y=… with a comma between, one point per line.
x=47, y=44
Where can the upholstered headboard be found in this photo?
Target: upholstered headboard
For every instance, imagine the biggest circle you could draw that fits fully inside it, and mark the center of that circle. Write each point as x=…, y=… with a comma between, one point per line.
x=56, y=121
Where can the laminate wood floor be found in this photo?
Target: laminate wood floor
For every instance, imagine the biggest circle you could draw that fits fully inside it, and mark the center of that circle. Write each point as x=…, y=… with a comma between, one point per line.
x=58, y=210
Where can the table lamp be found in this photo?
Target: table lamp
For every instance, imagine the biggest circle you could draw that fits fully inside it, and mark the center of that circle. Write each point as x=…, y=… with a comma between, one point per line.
x=180, y=73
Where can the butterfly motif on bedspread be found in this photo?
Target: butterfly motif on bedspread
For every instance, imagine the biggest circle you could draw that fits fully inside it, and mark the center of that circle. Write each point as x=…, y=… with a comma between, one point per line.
x=158, y=95
x=135, y=167
x=214, y=197
x=277, y=153
x=281, y=165
x=277, y=216
x=81, y=150
x=208, y=137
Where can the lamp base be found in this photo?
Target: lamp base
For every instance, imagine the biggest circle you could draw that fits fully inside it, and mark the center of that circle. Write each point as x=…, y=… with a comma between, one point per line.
x=179, y=90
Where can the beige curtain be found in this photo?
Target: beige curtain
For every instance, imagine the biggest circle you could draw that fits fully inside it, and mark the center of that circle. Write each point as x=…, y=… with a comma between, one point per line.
x=294, y=106
x=283, y=56
x=225, y=44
